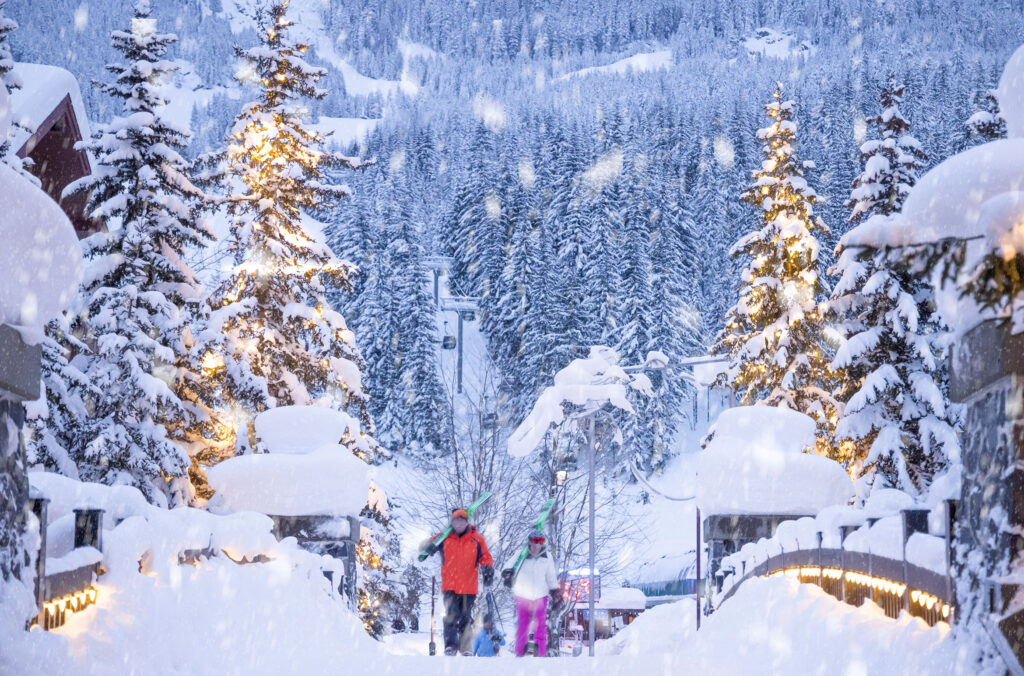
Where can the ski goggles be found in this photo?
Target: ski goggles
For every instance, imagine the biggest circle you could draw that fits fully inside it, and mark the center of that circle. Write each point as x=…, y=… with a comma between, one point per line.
x=537, y=540
x=460, y=513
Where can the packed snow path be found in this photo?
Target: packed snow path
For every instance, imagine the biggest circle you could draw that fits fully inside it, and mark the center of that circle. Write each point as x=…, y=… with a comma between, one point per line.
x=771, y=626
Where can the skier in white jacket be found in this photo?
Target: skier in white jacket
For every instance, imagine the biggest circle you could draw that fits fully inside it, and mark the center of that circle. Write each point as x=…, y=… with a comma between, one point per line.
x=533, y=584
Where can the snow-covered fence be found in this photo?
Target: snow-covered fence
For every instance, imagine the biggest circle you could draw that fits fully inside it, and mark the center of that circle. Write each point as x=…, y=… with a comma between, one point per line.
x=66, y=583
x=893, y=561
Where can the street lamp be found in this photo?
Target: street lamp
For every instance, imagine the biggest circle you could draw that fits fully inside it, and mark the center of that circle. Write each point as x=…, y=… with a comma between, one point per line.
x=590, y=385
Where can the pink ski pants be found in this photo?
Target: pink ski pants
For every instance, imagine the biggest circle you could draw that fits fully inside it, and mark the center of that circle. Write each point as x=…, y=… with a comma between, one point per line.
x=535, y=611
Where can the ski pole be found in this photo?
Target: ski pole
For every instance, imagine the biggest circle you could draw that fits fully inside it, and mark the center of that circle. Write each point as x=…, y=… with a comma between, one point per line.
x=433, y=646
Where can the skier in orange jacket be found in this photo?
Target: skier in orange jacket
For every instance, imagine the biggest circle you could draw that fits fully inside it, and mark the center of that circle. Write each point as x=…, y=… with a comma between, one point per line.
x=463, y=553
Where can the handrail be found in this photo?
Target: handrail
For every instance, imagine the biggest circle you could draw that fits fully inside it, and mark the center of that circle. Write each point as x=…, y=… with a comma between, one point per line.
x=854, y=577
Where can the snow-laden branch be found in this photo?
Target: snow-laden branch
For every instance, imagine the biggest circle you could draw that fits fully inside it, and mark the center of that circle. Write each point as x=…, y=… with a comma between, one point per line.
x=589, y=384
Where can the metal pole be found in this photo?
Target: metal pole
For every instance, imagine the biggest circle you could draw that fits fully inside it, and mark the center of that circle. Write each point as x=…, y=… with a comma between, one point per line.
x=437, y=275
x=459, y=388
x=696, y=589
x=590, y=452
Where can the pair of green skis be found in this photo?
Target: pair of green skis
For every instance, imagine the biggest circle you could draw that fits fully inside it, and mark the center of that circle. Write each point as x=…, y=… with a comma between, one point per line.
x=436, y=542
x=539, y=525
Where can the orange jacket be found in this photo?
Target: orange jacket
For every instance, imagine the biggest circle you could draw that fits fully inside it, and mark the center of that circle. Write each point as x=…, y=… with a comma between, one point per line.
x=461, y=555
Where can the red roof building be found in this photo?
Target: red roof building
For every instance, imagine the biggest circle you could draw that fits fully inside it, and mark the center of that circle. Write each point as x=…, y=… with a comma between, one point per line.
x=48, y=119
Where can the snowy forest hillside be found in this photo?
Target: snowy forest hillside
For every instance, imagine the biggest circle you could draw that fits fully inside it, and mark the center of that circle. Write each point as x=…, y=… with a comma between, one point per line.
x=348, y=248
x=491, y=129
x=579, y=164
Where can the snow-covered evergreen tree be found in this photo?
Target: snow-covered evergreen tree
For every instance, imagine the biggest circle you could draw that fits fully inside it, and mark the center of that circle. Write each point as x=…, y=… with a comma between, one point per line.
x=774, y=333
x=897, y=426
x=56, y=422
x=987, y=123
x=271, y=338
x=397, y=325
x=376, y=552
x=891, y=162
x=7, y=26
x=9, y=81
x=137, y=283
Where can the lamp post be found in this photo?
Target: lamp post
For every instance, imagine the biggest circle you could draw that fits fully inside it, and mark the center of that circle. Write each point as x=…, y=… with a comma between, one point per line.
x=591, y=384
x=652, y=363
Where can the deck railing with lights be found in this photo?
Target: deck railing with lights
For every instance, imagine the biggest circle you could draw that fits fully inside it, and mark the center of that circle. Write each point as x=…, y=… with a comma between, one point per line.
x=857, y=577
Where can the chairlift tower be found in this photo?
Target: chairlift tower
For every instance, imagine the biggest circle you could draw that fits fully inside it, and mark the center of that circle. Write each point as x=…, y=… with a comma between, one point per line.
x=439, y=266
x=465, y=308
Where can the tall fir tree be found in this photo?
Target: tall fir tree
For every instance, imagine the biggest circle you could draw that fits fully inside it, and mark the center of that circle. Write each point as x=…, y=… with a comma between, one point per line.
x=897, y=427
x=9, y=81
x=891, y=162
x=271, y=338
x=138, y=287
x=774, y=333
x=410, y=404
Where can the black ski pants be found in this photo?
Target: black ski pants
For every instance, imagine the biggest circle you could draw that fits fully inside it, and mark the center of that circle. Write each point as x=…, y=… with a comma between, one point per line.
x=458, y=613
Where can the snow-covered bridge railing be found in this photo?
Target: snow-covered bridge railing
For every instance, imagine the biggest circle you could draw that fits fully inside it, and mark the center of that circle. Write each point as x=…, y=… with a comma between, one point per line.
x=919, y=583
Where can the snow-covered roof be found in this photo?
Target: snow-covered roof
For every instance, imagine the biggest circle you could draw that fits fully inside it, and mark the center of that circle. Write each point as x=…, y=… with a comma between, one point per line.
x=1011, y=94
x=756, y=464
x=330, y=481
x=621, y=598
x=43, y=88
x=666, y=568
x=40, y=257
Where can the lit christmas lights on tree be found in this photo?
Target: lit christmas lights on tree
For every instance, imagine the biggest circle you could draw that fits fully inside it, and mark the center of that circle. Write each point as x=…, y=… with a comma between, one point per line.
x=271, y=337
x=774, y=333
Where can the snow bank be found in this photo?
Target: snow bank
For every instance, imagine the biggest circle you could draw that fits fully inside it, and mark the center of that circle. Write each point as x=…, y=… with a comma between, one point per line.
x=217, y=618
x=40, y=257
x=278, y=616
x=668, y=624
x=330, y=480
x=755, y=463
x=776, y=626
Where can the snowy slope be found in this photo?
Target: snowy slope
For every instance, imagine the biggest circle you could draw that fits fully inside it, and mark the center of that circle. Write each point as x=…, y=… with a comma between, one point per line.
x=638, y=63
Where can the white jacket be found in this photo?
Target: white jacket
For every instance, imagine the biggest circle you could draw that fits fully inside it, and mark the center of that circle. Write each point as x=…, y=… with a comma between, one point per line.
x=536, y=578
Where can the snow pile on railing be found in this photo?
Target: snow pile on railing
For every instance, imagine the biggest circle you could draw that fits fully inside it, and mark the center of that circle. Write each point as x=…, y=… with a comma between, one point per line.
x=140, y=538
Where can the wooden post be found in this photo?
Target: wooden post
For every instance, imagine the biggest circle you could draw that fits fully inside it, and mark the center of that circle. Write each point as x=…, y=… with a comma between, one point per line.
x=38, y=507
x=697, y=590
x=820, y=576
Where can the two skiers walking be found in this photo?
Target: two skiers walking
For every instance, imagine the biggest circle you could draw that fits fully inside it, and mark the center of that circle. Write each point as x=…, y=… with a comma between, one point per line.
x=533, y=584
x=463, y=555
